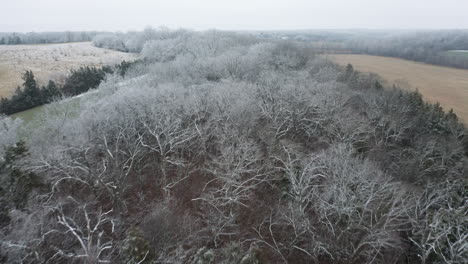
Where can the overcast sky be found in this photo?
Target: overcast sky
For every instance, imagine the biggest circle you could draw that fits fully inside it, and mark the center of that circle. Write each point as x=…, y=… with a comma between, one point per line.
x=123, y=15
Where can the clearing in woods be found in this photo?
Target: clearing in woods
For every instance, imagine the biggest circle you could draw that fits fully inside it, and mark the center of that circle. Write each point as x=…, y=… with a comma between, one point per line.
x=448, y=86
x=51, y=62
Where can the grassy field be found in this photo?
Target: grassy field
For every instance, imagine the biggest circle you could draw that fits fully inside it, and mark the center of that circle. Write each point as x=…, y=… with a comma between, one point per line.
x=448, y=86
x=50, y=62
x=28, y=115
x=34, y=117
x=462, y=53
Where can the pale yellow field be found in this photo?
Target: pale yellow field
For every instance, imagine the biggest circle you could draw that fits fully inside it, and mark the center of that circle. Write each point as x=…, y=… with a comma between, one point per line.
x=51, y=62
x=445, y=85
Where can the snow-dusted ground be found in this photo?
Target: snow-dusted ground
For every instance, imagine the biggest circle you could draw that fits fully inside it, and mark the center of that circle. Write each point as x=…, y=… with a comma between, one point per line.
x=51, y=61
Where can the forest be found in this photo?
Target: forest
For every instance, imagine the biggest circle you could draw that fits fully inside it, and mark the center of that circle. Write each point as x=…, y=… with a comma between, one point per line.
x=223, y=147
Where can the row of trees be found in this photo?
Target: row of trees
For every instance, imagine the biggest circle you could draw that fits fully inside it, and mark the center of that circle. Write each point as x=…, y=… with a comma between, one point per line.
x=231, y=149
x=168, y=39
x=31, y=95
x=133, y=41
x=424, y=46
x=46, y=37
x=429, y=47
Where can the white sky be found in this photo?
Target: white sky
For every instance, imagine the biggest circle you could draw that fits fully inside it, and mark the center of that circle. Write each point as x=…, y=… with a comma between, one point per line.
x=123, y=15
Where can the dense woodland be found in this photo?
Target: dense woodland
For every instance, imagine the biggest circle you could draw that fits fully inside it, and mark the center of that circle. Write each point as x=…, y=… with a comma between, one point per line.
x=226, y=148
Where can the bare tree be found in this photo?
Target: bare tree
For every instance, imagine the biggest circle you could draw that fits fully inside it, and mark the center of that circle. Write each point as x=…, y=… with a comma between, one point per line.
x=236, y=173
x=90, y=229
x=9, y=133
x=439, y=224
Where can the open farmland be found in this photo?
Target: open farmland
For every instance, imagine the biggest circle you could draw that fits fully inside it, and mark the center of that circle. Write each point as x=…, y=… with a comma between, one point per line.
x=51, y=62
x=448, y=86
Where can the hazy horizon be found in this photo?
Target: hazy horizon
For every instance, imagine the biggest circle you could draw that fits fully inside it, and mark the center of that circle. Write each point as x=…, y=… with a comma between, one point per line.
x=120, y=15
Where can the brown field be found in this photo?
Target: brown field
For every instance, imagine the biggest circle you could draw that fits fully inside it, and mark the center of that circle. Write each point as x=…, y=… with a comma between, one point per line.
x=445, y=85
x=50, y=62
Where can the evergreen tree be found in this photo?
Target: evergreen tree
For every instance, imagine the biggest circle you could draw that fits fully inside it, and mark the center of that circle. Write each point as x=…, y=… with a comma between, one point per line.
x=350, y=76
x=50, y=92
x=84, y=79
x=347, y=74
x=17, y=102
x=2, y=41
x=14, y=40
x=29, y=81
x=5, y=106
x=378, y=85
x=32, y=93
x=123, y=67
x=349, y=70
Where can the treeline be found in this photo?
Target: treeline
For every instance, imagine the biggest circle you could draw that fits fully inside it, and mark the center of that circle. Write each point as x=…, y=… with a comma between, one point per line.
x=134, y=41
x=79, y=81
x=230, y=149
x=171, y=41
x=428, y=47
x=327, y=36
x=46, y=37
x=423, y=46
x=30, y=96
